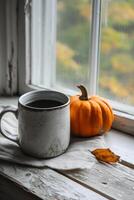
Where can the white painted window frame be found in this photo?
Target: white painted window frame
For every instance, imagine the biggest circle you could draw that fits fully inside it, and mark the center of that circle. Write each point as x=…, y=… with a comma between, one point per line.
x=8, y=47
x=24, y=80
x=44, y=64
x=15, y=57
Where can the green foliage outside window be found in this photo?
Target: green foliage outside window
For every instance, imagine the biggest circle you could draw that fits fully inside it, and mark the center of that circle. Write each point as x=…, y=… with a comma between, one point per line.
x=116, y=75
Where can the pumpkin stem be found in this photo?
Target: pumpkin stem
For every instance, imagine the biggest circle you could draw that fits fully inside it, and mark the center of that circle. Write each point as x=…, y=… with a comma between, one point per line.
x=84, y=95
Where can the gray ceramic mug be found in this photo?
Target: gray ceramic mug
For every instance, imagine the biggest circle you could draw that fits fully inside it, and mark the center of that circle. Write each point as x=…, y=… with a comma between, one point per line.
x=43, y=123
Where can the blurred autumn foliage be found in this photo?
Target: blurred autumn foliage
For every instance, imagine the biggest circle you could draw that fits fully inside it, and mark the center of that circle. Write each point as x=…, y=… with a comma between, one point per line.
x=116, y=73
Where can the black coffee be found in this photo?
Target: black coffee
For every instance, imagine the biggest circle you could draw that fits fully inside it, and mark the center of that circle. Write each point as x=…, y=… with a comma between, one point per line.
x=44, y=103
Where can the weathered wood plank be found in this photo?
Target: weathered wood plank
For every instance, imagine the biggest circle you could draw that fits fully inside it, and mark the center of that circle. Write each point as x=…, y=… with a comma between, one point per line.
x=10, y=190
x=122, y=144
x=46, y=183
x=113, y=182
x=124, y=121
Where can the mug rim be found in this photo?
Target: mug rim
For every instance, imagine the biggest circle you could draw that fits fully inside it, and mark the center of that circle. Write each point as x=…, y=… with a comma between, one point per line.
x=43, y=109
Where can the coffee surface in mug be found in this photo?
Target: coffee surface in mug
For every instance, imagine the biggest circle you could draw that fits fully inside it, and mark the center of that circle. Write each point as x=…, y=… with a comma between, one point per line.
x=44, y=103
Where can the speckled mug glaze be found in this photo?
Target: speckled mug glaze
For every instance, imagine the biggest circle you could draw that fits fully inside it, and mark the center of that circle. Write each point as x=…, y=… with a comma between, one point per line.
x=43, y=132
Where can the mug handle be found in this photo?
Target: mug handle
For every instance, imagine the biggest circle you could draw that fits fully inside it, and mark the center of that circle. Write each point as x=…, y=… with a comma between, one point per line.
x=6, y=134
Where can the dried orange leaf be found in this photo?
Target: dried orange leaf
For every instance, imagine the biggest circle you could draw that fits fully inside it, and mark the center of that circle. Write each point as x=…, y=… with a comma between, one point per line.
x=105, y=155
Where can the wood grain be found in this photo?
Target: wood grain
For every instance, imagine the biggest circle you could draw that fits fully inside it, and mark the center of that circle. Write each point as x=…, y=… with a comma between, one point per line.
x=46, y=183
x=124, y=121
x=121, y=144
x=12, y=191
x=113, y=182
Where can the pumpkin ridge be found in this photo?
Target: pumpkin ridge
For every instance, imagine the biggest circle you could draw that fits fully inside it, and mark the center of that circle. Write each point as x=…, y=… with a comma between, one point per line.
x=107, y=121
x=80, y=113
x=85, y=114
x=96, y=118
x=107, y=104
x=74, y=117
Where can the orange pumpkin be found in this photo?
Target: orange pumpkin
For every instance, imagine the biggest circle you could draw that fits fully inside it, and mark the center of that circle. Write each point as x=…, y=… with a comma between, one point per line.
x=90, y=116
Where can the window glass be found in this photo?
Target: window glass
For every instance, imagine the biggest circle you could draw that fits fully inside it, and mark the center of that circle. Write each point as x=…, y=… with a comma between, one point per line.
x=73, y=42
x=37, y=41
x=116, y=77
x=64, y=64
x=61, y=46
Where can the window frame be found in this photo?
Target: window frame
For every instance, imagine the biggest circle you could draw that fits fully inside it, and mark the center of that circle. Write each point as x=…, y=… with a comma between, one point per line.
x=8, y=48
x=24, y=56
x=24, y=80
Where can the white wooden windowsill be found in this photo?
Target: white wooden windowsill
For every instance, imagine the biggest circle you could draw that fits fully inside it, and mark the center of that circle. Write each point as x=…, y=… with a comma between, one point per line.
x=101, y=182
